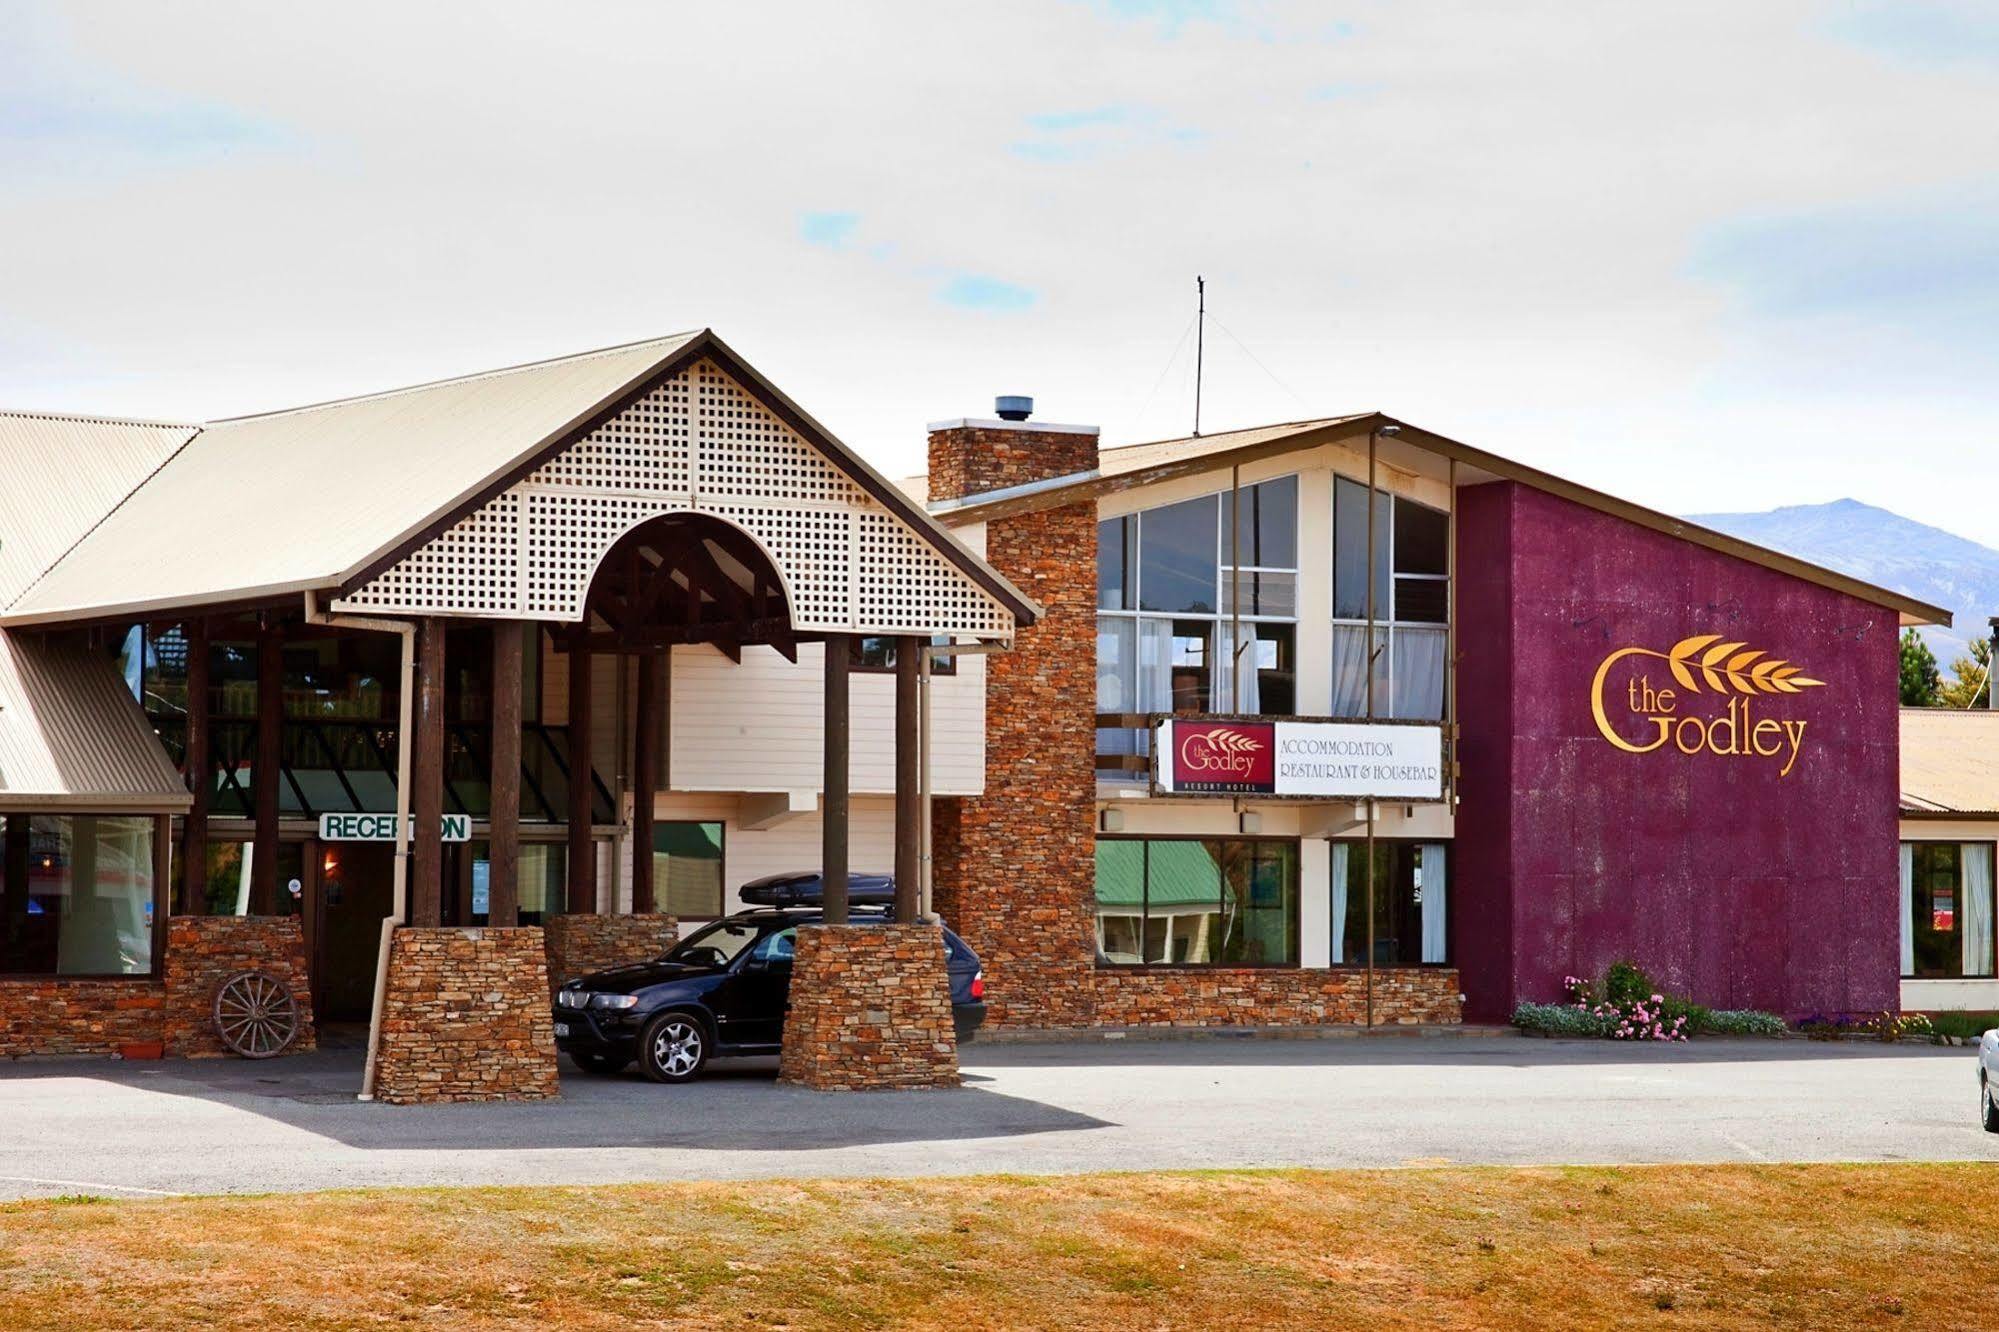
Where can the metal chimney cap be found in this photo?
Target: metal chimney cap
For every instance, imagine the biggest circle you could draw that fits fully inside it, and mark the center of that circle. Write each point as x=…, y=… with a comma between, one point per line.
x=1012, y=407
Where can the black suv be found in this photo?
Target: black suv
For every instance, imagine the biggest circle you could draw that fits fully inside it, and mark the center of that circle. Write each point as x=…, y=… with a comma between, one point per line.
x=723, y=990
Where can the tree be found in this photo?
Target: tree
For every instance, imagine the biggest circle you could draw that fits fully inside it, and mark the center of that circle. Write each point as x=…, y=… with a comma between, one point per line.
x=1920, y=678
x=1969, y=686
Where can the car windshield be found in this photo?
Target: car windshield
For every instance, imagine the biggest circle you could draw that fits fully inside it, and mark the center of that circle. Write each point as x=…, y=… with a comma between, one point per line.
x=714, y=945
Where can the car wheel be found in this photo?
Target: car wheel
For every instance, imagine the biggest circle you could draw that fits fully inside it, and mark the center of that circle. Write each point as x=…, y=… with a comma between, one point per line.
x=1991, y=1115
x=674, y=1048
x=604, y=1066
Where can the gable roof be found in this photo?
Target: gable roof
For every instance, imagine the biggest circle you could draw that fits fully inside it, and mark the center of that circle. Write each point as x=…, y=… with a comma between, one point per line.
x=71, y=735
x=87, y=465
x=259, y=508
x=1950, y=762
x=1130, y=466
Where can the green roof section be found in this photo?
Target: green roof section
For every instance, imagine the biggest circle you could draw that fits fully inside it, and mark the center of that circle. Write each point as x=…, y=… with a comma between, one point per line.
x=1184, y=875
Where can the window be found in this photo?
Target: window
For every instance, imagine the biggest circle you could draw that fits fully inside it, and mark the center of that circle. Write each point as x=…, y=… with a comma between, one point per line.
x=1229, y=902
x=79, y=895
x=1412, y=603
x=230, y=866
x=1167, y=623
x=1411, y=904
x=1946, y=909
x=876, y=652
x=687, y=869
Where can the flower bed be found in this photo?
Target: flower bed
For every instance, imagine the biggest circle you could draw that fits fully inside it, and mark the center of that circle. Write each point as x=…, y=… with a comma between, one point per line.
x=1627, y=1006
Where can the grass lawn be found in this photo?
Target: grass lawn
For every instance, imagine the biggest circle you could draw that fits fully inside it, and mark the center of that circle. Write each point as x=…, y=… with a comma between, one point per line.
x=1795, y=1246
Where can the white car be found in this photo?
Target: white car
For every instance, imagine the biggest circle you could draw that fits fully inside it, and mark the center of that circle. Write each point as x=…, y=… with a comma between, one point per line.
x=1988, y=1074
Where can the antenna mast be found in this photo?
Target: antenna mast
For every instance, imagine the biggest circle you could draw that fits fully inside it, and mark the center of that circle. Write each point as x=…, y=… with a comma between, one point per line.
x=1200, y=335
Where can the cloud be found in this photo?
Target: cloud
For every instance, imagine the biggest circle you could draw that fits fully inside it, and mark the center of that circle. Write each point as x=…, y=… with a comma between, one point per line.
x=1922, y=30
x=829, y=231
x=1056, y=122
x=975, y=291
x=1169, y=17
x=1092, y=132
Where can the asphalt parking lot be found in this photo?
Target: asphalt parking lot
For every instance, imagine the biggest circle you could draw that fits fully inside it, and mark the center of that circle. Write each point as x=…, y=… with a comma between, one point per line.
x=215, y=1126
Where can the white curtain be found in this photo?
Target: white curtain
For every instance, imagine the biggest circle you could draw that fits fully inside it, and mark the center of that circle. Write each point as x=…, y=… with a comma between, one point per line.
x=1350, y=670
x=1247, y=696
x=1117, y=686
x=1435, y=890
x=1976, y=857
x=1908, y=909
x=1419, y=674
x=1339, y=903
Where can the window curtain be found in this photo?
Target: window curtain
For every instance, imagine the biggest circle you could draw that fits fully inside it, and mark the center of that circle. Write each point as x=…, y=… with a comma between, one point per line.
x=1350, y=670
x=1116, y=680
x=1419, y=674
x=1247, y=696
x=1908, y=910
x=1339, y=876
x=1976, y=857
x=1436, y=936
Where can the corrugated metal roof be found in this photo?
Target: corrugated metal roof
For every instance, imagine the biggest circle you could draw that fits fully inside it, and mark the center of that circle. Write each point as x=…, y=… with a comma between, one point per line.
x=71, y=735
x=264, y=506
x=84, y=465
x=1123, y=459
x=1950, y=761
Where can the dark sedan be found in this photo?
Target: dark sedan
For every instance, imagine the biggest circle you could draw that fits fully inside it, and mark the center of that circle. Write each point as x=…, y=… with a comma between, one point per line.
x=723, y=990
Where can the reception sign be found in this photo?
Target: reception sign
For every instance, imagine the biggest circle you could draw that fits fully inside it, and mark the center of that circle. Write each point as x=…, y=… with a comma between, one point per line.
x=1333, y=760
x=382, y=828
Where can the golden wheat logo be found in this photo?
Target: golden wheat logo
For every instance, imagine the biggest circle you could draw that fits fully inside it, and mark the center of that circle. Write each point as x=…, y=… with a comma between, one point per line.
x=1220, y=750
x=1736, y=671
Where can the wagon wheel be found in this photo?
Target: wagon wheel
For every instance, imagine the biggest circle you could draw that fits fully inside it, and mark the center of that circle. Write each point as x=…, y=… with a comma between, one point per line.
x=255, y=1014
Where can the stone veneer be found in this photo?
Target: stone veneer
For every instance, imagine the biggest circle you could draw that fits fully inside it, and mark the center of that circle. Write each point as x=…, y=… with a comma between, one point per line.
x=870, y=1009
x=466, y=1017
x=582, y=943
x=1273, y=997
x=49, y=1016
x=1014, y=869
x=204, y=951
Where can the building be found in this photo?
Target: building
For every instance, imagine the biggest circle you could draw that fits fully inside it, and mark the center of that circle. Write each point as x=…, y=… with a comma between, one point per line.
x=1525, y=730
x=1950, y=825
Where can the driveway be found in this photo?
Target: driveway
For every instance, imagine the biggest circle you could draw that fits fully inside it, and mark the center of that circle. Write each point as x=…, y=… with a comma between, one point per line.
x=219, y=1126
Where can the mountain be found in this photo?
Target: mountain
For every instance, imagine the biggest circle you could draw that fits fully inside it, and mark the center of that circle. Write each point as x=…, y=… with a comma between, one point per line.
x=1888, y=550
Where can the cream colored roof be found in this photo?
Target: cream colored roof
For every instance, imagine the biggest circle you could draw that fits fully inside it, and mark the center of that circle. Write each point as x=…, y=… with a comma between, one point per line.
x=1950, y=761
x=1124, y=459
x=71, y=735
x=76, y=469
x=262, y=506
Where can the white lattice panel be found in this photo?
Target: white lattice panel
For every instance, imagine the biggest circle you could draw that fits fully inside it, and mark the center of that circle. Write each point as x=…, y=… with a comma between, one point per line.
x=696, y=443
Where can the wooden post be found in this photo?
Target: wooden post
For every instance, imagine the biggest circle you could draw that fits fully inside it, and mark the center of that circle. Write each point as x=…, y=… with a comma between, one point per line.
x=645, y=779
x=200, y=773
x=427, y=791
x=582, y=870
x=269, y=770
x=503, y=855
x=908, y=798
x=833, y=820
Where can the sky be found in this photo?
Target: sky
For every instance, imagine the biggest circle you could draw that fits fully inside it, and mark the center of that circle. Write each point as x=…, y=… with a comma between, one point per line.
x=1706, y=256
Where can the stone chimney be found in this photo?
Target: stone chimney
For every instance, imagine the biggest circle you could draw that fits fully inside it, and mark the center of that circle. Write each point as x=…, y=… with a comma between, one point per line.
x=970, y=456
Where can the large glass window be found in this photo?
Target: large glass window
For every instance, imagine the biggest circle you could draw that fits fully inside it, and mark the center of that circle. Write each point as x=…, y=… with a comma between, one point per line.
x=1411, y=904
x=687, y=869
x=1412, y=603
x=1226, y=902
x=1947, y=927
x=231, y=867
x=78, y=895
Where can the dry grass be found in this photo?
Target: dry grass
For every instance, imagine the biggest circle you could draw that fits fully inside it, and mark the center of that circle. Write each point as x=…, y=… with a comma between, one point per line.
x=1709, y=1247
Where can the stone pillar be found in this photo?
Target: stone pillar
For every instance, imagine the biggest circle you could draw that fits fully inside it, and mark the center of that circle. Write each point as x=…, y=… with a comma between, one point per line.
x=870, y=1009
x=465, y=1017
x=1015, y=867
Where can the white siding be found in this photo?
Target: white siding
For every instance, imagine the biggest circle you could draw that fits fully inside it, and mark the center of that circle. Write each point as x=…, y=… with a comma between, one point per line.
x=792, y=845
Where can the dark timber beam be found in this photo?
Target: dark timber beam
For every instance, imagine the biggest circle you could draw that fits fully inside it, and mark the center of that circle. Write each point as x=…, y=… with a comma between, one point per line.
x=503, y=897
x=833, y=820
x=582, y=868
x=427, y=795
x=908, y=800
x=266, y=775
x=200, y=773
x=645, y=780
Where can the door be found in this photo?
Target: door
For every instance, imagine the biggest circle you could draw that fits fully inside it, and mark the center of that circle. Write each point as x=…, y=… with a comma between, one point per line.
x=356, y=883
x=750, y=1005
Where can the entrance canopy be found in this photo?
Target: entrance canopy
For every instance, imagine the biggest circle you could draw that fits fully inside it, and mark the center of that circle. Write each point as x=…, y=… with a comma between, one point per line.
x=71, y=736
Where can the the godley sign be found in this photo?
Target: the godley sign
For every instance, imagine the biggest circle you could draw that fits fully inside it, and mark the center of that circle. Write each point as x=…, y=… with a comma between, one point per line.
x=1733, y=698
x=1332, y=760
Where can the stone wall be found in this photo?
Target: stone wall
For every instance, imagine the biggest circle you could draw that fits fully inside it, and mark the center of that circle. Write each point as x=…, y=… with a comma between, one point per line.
x=466, y=1018
x=204, y=951
x=582, y=943
x=970, y=460
x=1273, y=997
x=870, y=1008
x=78, y=1017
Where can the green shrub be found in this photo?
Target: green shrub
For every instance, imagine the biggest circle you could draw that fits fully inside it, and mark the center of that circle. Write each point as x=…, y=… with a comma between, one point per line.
x=1964, y=1026
x=1627, y=983
x=1562, y=1020
x=1743, y=1022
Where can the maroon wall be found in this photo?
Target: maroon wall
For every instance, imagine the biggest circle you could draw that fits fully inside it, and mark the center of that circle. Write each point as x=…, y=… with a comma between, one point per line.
x=1731, y=883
